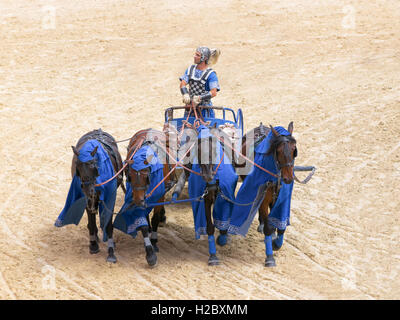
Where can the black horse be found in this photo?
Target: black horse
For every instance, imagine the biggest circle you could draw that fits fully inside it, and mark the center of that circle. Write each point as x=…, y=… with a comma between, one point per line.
x=88, y=171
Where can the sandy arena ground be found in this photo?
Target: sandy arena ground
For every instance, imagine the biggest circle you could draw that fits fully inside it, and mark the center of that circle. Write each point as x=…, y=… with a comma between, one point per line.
x=332, y=67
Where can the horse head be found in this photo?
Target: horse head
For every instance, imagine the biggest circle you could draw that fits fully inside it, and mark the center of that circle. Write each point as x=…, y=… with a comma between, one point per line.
x=139, y=180
x=87, y=172
x=284, y=151
x=207, y=152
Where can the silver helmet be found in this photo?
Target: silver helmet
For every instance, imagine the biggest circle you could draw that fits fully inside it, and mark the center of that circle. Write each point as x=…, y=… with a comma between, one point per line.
x=205, y=53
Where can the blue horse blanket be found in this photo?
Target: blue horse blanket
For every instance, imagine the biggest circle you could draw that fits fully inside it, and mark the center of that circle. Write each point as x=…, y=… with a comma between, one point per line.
x=130, y=218
x=76, y=200
x=252, y=191
x=227, y=179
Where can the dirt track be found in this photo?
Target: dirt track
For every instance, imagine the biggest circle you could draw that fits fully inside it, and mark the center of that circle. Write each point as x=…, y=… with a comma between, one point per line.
x=332, y=68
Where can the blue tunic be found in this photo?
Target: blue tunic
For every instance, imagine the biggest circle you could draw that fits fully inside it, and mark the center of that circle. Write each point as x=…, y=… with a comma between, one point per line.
x=196, y=88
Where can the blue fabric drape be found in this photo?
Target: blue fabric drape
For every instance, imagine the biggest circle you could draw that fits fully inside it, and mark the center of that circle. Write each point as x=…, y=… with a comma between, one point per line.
x=128, y=220
x=76, y=201
x=252, y=190
x=227, y=179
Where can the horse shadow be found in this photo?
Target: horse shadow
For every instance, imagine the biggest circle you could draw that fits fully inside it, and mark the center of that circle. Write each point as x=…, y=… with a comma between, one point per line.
x=177, y=243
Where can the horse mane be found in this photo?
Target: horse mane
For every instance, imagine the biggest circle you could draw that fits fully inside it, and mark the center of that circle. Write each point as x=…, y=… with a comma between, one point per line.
x=99, y=135
x=107, y=141
x=148, y=135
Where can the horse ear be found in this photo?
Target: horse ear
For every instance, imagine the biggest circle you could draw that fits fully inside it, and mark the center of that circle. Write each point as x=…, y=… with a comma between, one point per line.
x=94, y=151
x=75, y=151
x=215, y=125
x=276, y=134
x=290, y=128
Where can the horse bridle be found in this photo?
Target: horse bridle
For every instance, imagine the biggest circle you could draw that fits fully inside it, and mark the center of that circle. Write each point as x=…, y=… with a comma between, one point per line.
x=91, y=181
x=92, y=165
x=288, y=164
x=137, y=173
x=137, y=186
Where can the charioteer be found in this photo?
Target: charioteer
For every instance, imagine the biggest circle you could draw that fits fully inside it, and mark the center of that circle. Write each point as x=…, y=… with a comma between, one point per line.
x=202, y=80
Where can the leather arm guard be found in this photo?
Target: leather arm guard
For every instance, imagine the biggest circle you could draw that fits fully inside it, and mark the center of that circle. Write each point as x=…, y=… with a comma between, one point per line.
x=184, y=90
x=206, y=96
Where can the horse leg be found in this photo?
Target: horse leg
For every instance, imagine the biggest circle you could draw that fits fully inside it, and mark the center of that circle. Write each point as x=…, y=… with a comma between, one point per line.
x=278, y=241
x=155, y=223
x=268, y=231
x=180, y=185
x=222, y=239
x=260, y=228
x=94, y=246
x=151, y=256
x=163, y=217
x=110, y=243
x=148, y=222
x=213, y=259
x=123, y=188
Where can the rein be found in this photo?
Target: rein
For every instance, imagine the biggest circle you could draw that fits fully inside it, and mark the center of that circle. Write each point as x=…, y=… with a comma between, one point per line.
x=177, y=162
x=312, y=169
x=172, y=170
x=123, y=167
x=252, y=162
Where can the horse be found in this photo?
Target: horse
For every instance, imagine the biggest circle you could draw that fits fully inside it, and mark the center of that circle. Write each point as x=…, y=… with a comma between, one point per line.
x=278, y=158
x=214, y=181
x=146, y=184
x=96, y=159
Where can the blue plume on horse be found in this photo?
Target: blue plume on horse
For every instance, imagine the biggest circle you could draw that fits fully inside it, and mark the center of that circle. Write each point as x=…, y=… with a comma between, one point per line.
x=227, y=179
x=129, y=219
x=252, y=190
x=76, y=201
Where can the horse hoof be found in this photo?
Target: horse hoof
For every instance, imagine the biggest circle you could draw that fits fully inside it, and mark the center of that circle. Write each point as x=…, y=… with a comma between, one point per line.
x=154, y=244
x=151, y=257
x=261, y=228
x=111, y=259
x=213, y=260
x=94, y=248
x=270, y=262
x=222, y=240
x=152, y=260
